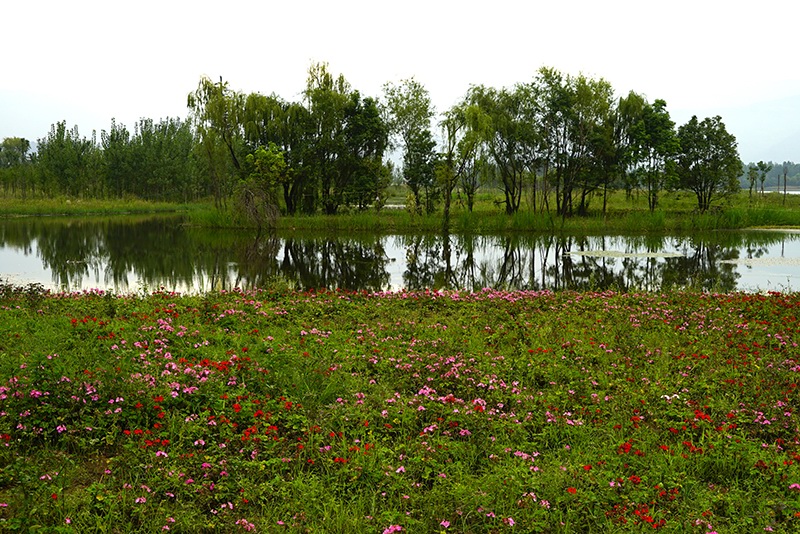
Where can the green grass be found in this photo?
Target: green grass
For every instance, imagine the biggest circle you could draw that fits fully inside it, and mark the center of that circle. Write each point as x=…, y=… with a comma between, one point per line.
x=431, y=412
x=676, y=213
x=10, y=206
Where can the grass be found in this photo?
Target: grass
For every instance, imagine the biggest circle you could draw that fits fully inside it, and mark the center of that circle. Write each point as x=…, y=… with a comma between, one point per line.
x=485, y=412
x=12, y=206
x=676, y=214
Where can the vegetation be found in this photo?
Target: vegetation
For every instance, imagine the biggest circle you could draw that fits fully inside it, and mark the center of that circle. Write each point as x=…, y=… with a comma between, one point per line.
x=419, y=412
x=557, y=140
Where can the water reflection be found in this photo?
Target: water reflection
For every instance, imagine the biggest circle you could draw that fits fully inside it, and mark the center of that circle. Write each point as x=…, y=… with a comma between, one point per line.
x=143, y=253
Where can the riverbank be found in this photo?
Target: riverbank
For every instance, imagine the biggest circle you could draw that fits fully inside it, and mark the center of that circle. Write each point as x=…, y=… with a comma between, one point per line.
x=422, y=411
x=624, y=215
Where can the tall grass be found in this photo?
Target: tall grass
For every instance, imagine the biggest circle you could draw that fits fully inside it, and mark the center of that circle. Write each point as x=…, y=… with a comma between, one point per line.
x=79, y=207
x=624, y=214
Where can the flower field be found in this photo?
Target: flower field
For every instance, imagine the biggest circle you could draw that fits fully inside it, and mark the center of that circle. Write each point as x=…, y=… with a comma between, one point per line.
x=399, y=412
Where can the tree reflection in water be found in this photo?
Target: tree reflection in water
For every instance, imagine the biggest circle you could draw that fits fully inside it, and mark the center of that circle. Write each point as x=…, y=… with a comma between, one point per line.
x=124, y=253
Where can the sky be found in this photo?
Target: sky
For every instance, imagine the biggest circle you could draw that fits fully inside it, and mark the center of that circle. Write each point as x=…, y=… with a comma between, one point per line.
x=86, y=62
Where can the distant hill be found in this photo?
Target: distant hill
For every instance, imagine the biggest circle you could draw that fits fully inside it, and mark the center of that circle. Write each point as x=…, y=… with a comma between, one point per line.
x=768, y=131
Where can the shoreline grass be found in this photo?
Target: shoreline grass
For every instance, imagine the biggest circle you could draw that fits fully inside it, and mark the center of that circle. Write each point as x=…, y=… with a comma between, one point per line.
x=488, y=412
x=623, y=215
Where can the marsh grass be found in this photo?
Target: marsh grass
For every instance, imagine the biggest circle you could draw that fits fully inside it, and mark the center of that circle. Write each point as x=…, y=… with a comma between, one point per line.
x=428, y=411
x=80, y=207
x=624, y=214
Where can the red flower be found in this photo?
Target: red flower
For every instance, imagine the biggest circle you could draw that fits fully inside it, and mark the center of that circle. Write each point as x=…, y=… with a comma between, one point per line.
x=572, y=490
x=54, y=496
x=587, y=467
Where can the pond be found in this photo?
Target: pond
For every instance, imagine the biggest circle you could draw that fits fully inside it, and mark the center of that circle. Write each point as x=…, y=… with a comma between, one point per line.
x=144, y=253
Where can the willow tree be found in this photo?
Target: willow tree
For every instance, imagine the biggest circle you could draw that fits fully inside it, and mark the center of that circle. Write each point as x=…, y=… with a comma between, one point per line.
x=457, y=163
x=218, y=118
x=269, y=119
x=499, y=120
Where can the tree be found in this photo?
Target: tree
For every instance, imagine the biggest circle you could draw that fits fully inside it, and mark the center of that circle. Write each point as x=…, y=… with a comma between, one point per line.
x=118, y=158
x=497, y=116
x=15, y=168
x=327, y=99
x=656, y=145
x=218, y=115
x=752, y=176
x=576, y=125
x=708, y=163
x=458, y=159
x=257, y=194
x=68, y=163
x=763, y=170
x=366, y=138
x=786, y=165
x=409, y=117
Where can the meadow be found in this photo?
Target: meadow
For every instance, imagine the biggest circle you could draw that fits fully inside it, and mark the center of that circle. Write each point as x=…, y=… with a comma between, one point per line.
x=485, y=412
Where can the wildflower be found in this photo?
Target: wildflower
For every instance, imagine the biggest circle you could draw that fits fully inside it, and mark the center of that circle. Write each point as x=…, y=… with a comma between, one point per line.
x=445, y=523
x=572, y=490
x=245, y=524
x=392, y=528
x=140, y=500
x=400, y=469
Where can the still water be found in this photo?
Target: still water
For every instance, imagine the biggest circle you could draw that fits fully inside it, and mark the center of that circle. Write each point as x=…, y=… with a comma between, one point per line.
x=144, y=253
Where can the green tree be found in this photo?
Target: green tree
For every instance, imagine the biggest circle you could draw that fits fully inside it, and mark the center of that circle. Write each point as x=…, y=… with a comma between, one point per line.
x=456, y=164
x=752, y=177
x=365, y=177
x=164, y=161
x=257, y=194
x=268, y=119
x=327, y=98
x=409, y=117
x=15, y=168
x=763, y=171
x=118, y=159
x=785, y=168
x=577, y=124
x=708, y=162
x=68, y=163
x=656, y=145
x=499, y=119
x=217, y=113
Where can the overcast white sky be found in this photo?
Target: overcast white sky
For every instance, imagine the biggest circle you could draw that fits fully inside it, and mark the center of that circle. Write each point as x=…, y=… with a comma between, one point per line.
x=87, y=61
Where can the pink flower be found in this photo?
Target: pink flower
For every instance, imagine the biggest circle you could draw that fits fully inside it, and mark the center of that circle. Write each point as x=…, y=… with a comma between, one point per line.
x=445, y=523
x=392, y=528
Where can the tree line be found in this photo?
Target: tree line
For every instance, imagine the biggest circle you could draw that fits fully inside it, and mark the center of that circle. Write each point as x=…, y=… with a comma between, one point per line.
x=558, y=141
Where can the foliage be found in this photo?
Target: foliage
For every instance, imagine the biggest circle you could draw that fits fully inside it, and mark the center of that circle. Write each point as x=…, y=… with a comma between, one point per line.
x=426, y=411
x=68, y=163
x=553, y=144
x=709, y=163
x=257, y=196
x=410, y=111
